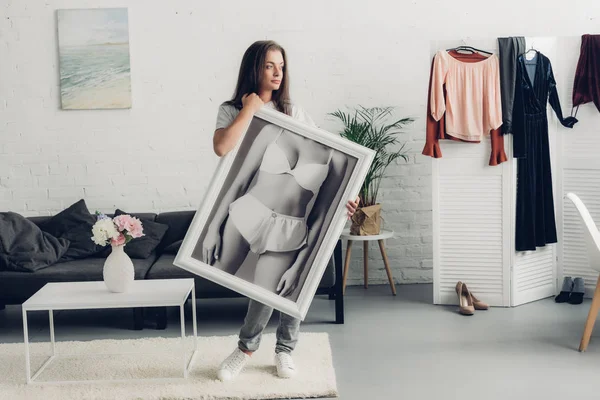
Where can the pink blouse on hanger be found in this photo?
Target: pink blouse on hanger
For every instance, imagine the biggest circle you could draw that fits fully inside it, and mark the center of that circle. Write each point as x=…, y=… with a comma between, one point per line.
x=472, y=103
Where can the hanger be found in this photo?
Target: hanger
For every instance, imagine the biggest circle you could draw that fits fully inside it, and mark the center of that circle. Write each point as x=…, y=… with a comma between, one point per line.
x=469, y=48
x=530, y=50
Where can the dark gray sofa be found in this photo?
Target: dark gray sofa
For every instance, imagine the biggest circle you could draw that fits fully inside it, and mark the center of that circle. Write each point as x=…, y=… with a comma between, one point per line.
x=17, y=287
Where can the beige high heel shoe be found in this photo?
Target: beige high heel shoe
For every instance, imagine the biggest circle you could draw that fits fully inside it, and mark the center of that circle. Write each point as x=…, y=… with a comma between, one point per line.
x=478, y=304
x=465, y=301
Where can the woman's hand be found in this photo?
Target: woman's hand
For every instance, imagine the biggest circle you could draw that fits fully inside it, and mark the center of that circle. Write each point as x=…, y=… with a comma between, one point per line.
x=211, y=247
x=352, y=206
x=287, y=283
x=252, y=102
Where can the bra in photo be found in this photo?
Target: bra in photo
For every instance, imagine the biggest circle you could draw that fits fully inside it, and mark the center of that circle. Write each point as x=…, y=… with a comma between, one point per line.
x=308, y=176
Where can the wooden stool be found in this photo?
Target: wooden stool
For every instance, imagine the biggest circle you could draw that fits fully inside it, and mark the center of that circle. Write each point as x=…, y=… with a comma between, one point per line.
x=366, y=239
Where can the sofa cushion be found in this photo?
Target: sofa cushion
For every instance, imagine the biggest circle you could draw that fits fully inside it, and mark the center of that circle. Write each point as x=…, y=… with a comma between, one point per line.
x=24, y=247
x=179, y=223
x=74, y=224
x=143, y=215
x=163, y=268
x=173, y=248
x=19, y=286
x=153, y=233
x=39, y=219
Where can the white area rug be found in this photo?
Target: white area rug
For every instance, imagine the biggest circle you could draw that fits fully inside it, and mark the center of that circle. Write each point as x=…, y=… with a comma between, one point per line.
x=316, y=376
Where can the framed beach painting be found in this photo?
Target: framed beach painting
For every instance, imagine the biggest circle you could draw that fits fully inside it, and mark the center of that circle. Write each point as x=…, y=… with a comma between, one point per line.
x=274, y=211
x=94, y=58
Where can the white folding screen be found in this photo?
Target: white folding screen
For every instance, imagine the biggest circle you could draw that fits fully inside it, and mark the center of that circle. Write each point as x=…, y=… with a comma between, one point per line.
x=579, y=172
x=474, y=213
x=470, y=225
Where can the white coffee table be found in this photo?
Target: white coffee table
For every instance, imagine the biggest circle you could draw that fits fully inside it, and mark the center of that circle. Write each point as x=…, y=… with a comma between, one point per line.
x=95, y=295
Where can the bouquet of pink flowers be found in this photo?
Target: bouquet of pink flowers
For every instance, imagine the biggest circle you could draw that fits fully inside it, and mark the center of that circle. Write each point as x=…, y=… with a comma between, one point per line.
x=117, y=231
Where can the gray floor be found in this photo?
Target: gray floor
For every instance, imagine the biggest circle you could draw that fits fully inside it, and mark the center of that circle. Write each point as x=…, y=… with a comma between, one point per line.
x=400, y=347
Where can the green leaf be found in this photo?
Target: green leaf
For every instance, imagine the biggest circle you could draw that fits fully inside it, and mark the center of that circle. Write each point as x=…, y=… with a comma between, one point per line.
x=369, y=128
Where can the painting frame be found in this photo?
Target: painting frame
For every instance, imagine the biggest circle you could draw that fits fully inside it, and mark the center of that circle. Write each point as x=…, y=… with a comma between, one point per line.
x=362, y=158
x=94, y=58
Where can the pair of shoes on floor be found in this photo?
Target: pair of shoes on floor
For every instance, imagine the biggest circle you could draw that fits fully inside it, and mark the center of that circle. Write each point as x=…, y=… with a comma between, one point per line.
x=231, y=367
x=467, y=302
x=572, y=291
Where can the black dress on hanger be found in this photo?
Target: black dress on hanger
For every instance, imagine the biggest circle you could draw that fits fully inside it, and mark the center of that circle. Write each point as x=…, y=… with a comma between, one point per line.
x=535, y=221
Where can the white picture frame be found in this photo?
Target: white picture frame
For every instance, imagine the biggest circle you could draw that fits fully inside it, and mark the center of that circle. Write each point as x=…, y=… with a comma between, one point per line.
x=354, y=158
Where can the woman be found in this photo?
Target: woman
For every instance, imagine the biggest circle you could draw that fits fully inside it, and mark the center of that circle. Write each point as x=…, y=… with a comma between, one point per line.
x=284, y=241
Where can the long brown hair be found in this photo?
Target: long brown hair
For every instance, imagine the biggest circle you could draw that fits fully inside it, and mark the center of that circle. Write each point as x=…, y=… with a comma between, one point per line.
x=251, y=69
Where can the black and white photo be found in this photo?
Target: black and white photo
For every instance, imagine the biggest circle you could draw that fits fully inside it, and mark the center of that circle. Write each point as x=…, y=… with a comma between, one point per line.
x=274, y=211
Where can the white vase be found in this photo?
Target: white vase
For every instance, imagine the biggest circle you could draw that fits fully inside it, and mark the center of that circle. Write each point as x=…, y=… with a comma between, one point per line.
x=118, y=270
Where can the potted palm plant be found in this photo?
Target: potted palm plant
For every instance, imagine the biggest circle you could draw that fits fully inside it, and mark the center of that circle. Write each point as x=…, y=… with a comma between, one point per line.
x=372, y=128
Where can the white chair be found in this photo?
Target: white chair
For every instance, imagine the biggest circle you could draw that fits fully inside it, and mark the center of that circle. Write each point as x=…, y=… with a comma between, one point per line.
x=592, y=241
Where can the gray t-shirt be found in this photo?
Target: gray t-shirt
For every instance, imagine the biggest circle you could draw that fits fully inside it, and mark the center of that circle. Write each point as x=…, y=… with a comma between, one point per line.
x=227, y=114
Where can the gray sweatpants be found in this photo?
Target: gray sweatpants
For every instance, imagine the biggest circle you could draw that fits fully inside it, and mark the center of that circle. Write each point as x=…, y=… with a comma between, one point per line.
x=256, y=320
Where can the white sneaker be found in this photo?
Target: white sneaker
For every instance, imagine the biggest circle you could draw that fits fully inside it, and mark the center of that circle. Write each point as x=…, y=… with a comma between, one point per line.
x=232, y=365
x=285, y=365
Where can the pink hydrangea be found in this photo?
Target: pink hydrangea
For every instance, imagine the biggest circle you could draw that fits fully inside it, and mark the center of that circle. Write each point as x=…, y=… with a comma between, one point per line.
x=129, y=225
x=123, y=222
x=136, y=230
x=120, y=240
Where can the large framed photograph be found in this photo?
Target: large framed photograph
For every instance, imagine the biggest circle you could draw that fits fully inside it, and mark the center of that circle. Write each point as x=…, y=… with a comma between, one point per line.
x=274, y=210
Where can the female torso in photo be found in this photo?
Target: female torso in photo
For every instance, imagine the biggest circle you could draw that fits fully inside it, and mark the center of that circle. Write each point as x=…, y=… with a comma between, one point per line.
x=291, y=173
x=268, y=213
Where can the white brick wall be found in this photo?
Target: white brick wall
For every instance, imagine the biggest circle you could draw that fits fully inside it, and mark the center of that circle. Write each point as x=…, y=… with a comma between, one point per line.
x=184, y=58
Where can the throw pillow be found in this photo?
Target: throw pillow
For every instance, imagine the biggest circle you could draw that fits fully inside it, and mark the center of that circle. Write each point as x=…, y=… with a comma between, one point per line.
x=173, y=248
x=144, y=246
x=74, y=224
x=24, y=247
